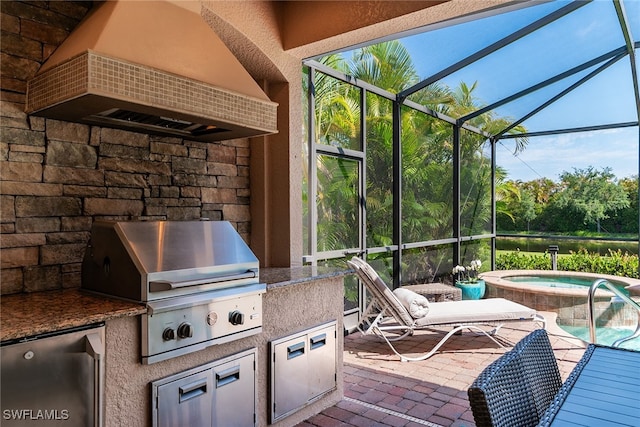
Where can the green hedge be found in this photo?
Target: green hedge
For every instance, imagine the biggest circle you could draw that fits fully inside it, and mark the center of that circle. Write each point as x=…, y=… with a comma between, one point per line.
x=615, y=263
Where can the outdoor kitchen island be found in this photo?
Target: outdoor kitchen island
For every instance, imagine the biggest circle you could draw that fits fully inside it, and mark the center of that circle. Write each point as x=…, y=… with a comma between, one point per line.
x=296, y=299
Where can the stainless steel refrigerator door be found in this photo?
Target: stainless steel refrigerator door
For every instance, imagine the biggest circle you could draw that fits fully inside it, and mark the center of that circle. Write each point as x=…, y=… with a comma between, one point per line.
x=53, y=381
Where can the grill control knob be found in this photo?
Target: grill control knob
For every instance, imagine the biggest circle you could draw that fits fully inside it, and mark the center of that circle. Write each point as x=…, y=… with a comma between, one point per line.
x=212, y=318
x=185, y=330
x=168, y=334
x=236, y=318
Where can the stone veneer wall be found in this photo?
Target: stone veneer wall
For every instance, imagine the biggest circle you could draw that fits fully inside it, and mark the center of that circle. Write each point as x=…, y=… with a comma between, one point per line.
x=57, y=177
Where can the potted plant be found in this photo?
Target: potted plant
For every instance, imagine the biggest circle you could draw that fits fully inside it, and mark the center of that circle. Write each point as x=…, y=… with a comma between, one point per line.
x=466, y=278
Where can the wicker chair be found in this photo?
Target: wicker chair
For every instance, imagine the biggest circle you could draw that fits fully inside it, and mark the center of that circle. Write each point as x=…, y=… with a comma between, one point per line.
x=517, y=389
x=540, y=367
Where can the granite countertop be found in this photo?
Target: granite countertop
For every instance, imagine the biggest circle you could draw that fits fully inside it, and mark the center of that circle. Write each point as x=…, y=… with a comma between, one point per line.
x=29, y=314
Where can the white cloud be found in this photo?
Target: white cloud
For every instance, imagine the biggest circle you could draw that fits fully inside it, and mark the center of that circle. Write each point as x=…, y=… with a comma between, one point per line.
x=550, y=156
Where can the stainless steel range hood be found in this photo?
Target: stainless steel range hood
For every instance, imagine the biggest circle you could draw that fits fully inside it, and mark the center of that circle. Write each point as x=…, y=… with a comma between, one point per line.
x=153, y=67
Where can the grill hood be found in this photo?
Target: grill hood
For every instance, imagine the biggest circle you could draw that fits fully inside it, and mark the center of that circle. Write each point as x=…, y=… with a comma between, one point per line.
x=154, y=67
x=148, y=260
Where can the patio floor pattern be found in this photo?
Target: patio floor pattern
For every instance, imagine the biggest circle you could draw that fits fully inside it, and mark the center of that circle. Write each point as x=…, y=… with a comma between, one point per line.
x=379, y=390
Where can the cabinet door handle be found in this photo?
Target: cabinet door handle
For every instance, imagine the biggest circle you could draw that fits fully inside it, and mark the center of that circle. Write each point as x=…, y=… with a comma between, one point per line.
x=295, y=350
x=93, y=346
x=227, y=376
x=192, y=390
x=167, y=285
x=318, y=341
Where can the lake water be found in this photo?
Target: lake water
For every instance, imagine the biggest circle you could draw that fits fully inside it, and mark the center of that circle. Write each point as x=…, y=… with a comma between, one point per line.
x=565, y=245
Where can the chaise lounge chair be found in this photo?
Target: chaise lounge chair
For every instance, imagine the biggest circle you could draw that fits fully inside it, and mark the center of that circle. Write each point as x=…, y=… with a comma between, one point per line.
x=396, y=315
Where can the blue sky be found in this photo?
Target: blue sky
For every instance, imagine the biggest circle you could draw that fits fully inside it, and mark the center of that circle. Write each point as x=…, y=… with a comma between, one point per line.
x=570, y=41
x=551, y=156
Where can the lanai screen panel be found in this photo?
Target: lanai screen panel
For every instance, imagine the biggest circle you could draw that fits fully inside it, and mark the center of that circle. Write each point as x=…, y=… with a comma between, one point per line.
x=589, y=32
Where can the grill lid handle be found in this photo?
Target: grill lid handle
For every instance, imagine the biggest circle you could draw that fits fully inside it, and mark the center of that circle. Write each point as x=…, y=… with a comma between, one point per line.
x=167, y=285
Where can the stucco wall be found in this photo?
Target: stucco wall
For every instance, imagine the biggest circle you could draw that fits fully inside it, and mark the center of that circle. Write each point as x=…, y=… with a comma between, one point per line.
x=286, y=310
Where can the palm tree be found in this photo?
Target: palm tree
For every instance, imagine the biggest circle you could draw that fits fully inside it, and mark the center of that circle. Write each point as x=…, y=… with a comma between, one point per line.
x=427, y=152
x=386, y=65
x=507, y=192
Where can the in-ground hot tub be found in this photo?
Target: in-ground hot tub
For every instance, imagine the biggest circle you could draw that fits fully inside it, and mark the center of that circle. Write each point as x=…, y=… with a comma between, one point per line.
x=565, y=293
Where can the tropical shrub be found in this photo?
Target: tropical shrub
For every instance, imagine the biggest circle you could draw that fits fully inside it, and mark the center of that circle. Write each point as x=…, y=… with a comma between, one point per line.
x=517, y=260
x=615, y=263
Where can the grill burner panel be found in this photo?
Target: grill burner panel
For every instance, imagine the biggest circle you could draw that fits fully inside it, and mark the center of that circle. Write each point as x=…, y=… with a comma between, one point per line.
x=178, y=326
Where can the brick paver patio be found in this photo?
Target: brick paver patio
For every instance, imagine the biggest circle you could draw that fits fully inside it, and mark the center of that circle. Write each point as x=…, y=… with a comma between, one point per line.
x=379, y=390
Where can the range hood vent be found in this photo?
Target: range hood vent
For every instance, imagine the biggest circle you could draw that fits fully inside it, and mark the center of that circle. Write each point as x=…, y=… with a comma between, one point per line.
x=152, y=67
x=116, y=117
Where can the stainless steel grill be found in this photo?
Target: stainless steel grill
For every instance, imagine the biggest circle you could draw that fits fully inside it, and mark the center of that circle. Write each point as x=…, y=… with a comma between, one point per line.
x=199, y=280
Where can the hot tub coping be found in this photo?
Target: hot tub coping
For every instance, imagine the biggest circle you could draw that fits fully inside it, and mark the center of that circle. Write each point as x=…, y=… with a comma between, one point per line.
x=500, y=278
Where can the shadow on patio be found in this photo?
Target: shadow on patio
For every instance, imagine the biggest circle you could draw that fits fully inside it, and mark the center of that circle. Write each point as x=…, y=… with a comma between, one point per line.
x=379, y=390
